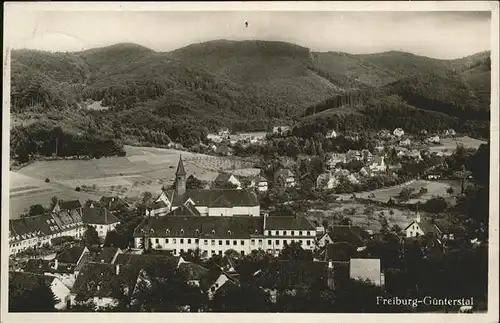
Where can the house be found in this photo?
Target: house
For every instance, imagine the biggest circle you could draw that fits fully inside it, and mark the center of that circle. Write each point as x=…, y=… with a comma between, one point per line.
x=262, y=185
x=26, y=281
x=405, y=142
x=225, y=150
x=215, y=138
x=193, y=272
x=101, y=219
x=401, y=151
x=384, y=134
x=225, y=178
x=108, y=255
x=449, y=133
x=114, y=204
x=366, y=172
x=353, y=155
x=338, y=252
x=334, y=159
x=95, y=283
x=366, y=155
x=215, y=235
x=398, y=132
x=378, y=164
x=29, y=232
x=415, y=154
x=440, y=230
x=284, y=178
x=211, y=202
x=158, y=208
x=215, y=279
x=72, y=258
x=354, y=235
x=367, y=269
x=331, y=134
x=327, y=181
x=281, y=129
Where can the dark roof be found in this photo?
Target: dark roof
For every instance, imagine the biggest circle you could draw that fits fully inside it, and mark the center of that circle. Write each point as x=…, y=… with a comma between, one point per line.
x=345, y=233
x=153, y=264
x=192, y=271
x=69, y=205
x=98, y=215
x=340, y=251
x=180, y=168
x=112, y=203
x=228, y=227
x=70, y=255
x=95, y=279
x=213, y=274
x=158, y=205
x=426, y=225
x=106, y=255
x=187, y=209
x=206, y=197
x=293, y=273
x=284, y=172
x=288, y=223
x=37, y=266
x=40, y=225
x=222, y=178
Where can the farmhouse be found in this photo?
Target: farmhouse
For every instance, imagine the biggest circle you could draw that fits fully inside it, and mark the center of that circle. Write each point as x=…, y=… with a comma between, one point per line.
x=114, y=204
x=427, y=227
x=378, y=164
x=108, y=255
x=331, y=134
x=224, y=178
x=101, y=219
x=193, y=272
x=284, y=178
x=433, y=140
x=214, y=202
x=217, y=278
x=327, y=181
x=353, y=155
x=216, y=235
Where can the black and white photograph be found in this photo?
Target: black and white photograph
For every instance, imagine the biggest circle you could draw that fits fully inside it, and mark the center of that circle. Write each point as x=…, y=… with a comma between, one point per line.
x=246, y=160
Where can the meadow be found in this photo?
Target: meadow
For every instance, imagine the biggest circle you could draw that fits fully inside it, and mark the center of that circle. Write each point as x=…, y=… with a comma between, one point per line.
x=448, y=145
x=142, y=169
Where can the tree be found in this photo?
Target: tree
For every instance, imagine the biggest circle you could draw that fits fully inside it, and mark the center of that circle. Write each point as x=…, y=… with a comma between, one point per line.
x=463, y=175
x=53, y=201
x=146, y=198
x=436, y=205
x=195, y=183
x=224, y=185
x=293, y=251
x=35, y=210
x=450, y=190
x=91, y=237
x=30, y=294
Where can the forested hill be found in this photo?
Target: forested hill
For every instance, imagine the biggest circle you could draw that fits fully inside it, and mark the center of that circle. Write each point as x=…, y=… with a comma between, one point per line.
x=148, y=96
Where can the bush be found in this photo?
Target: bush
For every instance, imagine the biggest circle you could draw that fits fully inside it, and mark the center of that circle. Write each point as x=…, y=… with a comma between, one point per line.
x=78, y=189
x=47, y=180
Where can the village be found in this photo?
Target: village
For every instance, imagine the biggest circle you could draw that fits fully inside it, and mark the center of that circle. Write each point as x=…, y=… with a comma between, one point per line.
x=103, y=255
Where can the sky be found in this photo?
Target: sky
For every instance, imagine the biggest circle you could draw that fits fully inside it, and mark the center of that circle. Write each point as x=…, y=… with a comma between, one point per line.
x=435, y=34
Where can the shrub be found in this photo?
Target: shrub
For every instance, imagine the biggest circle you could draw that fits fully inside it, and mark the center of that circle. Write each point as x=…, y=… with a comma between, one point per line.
x=47, y=180
x=78, y=189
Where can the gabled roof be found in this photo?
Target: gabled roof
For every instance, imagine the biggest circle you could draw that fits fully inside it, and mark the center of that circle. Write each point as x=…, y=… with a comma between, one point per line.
x=69, y=205
x=186, y=209
x=230, y=227
x=155, y=265
x=220, y=202
x=426, y=225
x=192, y=271
x=213, y=274
x=95, y=280
x=349, y=234
x=40, y=225
x=223, y=177
x=98, y=215
x=288, y=223
x=293, y=273
x=284, y=172
x=26, y=281
x=70, y=255
x=206, y=197
x=180, y=168
x=158, y=205
x=113, y=202
x=339, y=251
x=106, y=255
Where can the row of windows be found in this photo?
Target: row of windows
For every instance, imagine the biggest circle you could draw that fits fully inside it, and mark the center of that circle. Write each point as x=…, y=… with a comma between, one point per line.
x=285, y=233
x=227, y=242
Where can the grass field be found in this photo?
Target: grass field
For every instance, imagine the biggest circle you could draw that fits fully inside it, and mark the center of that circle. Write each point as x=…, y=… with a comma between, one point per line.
x=434, y=188
x=142, y=169
x=448, y=145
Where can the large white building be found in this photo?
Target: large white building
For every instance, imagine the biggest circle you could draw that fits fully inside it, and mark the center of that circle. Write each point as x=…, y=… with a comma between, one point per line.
x=208, y=202
x=215, y=235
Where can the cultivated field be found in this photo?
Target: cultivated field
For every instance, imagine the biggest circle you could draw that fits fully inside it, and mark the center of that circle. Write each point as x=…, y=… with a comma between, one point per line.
x=142, y=169
x=448, y=145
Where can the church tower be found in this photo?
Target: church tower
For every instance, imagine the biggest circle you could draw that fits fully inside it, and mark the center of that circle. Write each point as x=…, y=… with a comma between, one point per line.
x=180, y=178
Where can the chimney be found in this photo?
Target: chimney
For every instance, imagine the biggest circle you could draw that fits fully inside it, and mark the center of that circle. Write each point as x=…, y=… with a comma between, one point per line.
x=265, y=219
x=56, y=264
x=117, y=269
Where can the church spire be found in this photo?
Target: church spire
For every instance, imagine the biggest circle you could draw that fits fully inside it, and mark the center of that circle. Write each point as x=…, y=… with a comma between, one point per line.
x=180, y=168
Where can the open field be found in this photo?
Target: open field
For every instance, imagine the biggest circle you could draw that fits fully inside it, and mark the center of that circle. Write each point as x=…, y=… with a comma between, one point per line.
x=363, y=216
x=142, y=169
x=448, y=145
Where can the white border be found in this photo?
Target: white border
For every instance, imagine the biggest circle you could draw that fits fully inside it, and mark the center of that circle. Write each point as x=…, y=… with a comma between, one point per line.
x=493, y=6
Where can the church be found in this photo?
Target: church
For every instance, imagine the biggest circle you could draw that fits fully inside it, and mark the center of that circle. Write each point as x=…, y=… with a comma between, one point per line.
x=204, y=202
